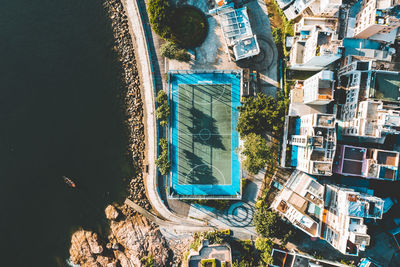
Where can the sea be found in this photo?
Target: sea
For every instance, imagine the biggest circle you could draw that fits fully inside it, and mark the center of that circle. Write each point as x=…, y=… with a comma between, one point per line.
x=61, y=114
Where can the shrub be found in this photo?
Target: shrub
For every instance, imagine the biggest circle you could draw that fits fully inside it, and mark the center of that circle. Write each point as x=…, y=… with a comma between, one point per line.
x=208, y=263
x=163, y=110
x=162, y=162
x=215, y=237
x=147, y=261
x=173, y=51
x=159, y=13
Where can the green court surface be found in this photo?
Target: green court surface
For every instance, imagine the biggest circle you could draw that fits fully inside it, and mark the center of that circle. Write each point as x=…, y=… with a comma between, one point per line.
x=205, y=134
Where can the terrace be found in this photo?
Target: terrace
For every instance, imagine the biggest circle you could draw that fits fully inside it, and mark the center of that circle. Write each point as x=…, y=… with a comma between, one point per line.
x=220, y=253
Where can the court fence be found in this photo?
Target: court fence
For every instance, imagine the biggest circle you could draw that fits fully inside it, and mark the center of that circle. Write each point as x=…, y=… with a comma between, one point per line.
x=169, y=184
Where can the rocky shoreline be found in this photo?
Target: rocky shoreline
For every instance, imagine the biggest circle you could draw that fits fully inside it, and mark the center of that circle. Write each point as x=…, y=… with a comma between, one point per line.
x=132, y=98
x=132, y=241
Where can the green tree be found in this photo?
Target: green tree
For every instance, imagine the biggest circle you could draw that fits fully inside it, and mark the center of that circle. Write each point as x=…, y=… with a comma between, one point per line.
x=162, y=162
x=264, y=245
x=161, y=97
x=268, y=224
x=163, y=110
x=173, y=51
x=261, y=114
x=257, y=153
x=242, y=263
x=160, y=13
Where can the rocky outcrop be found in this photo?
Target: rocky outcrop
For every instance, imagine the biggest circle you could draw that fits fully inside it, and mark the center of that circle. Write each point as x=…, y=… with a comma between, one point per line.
x=86, y=250
x=133, y=100
x=111, y=212
x=131, y=239
x=140, y=238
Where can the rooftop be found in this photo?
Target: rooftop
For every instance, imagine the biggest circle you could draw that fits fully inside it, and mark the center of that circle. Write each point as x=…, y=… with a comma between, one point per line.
x=291, y=259
x=246, y=47
x=386, y=86
x=220, y=252
x=235, y=23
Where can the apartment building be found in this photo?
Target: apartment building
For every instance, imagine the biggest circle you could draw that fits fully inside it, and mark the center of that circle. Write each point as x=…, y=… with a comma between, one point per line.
x=315, y=44
x=313, y=144
x=283, y=258
x=319, y=88
x=328, y=8
x=376, y=17
x=301, y=203
x=343, y=219
x=370, y=106
x=332, y=213
x=369, y=163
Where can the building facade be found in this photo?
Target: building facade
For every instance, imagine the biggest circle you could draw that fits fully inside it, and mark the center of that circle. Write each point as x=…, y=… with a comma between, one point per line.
x=314, y=143
x=315, y=44
x=370, y=106
x=343, y=219
x=319, y=88
x=366, y=162
x=375, y=17
x=332, y=213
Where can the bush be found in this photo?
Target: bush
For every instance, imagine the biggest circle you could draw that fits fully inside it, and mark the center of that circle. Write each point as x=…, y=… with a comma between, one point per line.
x=173, y=51
x=159, y=13
x=208, y=263
x=147, y=261
x=215, y=237
x=162, y=162
x=257, y=153
x=163, y=110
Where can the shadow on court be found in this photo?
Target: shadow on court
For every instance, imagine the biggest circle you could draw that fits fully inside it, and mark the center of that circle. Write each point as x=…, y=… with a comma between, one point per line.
x=200, y=172
x=204, y=129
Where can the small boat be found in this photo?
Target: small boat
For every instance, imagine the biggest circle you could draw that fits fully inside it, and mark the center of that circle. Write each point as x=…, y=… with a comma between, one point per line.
x=69, y=182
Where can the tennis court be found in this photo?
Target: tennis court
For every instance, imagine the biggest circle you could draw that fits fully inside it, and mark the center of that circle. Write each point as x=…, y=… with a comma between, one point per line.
x=203, y=134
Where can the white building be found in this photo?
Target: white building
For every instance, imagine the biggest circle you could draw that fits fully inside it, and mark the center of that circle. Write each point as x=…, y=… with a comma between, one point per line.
x=332, y=213
x=319, y=88
x=371, y=101
x=314, y=143
x=343, y=219
x=328, y=8
x=315, y=45
x=375, y=17
x=301, y=202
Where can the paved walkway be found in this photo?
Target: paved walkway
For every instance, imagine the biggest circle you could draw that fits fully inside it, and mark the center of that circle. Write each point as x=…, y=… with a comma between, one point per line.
x=142, y=56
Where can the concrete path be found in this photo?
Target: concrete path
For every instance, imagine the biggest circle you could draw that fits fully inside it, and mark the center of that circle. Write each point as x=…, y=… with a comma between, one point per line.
x=175, y=226
x=143, y=56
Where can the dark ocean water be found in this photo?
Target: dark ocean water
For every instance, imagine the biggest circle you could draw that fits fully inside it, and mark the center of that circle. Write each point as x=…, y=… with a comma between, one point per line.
x=59, y=115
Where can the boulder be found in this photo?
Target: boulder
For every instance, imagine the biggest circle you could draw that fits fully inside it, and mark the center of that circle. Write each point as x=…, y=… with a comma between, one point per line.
x=111, y=212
